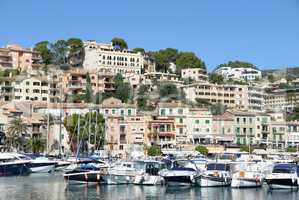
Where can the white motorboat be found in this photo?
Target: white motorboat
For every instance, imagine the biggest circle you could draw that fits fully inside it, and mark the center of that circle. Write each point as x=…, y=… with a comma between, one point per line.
x=149, y=172
x=12, y=166
x=216, y=175
x=247, y=175
x=284, y=176
x=120, y=173
x=181, y=172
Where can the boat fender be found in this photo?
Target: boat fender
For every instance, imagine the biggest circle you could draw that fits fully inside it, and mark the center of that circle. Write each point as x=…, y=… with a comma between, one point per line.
x=257, y=179
x=86, y=177
x=98, y=176
x=192, y=178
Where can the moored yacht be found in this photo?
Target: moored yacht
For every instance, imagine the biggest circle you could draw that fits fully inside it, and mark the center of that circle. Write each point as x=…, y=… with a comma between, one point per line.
x=86, y=171
x=11, y=166
x=284, y=176
x=181, y=172
x=246, y=175
x=217, y=174
x=148, y=172
x=120, y=173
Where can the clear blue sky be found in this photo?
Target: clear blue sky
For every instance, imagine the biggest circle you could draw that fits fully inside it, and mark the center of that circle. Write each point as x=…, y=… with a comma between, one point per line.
x=263, y=32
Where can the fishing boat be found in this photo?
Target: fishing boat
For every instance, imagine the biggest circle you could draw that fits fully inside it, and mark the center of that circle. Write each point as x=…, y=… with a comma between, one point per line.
x=181, y=172
x=217, y=174
x=149, y=172
x=283, y=176
x=246, y=175
x=11, y=166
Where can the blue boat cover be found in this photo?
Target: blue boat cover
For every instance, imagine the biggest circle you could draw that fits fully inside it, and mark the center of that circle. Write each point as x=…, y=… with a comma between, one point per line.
x=285, y=168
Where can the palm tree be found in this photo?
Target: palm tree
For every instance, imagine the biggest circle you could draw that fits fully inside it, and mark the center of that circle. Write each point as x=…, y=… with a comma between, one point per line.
x=36, y=144
x=16, y=129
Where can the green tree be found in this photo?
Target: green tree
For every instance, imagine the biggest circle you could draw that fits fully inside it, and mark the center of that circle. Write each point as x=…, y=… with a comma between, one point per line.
x=16, y=128
x=202, y=149
x=139, y=49
x=188, y=60
x=154, y=150
x=123, y=92
x=236, y=64
x=246, y=148
x=163, y=57
x=36, y=144
x=76, y=51
x=92, y=126
x=44, y=49
x=88, y=90
x=216, y=78
x=291, y=149
x=218, y=109
x=60, y=50
x=119, y=43
x=169, y=91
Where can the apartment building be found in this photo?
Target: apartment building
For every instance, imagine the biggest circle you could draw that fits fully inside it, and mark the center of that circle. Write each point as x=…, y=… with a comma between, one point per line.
x=153, y=78
x=233, y=96
x=26, y=88
x=244, y=127
x=75, y=81
x=106, y=58
x=223, y=128
x=278, y=130
x=240, y=73
x=263, y=129
x=293, y=134
x=282, y=100
x=17, y=57
x=195, y=74
x=192, y=125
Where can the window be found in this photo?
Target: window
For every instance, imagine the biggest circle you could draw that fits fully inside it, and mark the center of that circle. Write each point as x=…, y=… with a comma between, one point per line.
x=129, y=112
x=27, y=90
x=238, y=120
x=163, y=112
x=244, y=120
x=122, y=112
x=180, y=111
x=207, y=121
x=44, y=98
x=181, y=120
x=250, y=120
x=197, y=121
x=113, y=111
x=181, y=130
x=27, y=98
x=27, y=83
x=170, y=111
x=36, y=83
x=106, y=111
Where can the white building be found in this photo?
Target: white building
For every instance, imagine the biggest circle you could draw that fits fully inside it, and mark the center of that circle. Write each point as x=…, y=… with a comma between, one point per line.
x=196, y=74
x=240, y=73
x=106, y=58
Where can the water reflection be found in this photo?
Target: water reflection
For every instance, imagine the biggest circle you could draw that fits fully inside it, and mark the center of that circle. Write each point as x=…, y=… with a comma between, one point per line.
x=40, y=187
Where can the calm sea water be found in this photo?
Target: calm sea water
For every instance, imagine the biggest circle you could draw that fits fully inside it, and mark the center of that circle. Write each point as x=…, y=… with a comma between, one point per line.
x=52, y=187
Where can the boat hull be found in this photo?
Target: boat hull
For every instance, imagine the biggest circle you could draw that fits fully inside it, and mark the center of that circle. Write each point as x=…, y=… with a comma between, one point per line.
x=84, y=177
x=113, y=179
x=210, y=181
x=245, y=183
x=14, y=169
x=148, y=180
x=179, y=180
x=283, y=183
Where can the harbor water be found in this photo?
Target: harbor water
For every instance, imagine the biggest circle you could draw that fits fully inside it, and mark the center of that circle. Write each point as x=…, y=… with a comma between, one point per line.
x=53, y=187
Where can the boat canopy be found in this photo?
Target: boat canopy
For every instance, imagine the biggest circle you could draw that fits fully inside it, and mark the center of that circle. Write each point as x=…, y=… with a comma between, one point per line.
x=285, y=168
x=218, y=166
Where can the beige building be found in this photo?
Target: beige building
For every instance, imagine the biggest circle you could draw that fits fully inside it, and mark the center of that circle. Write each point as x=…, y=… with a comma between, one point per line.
x=281, y=100
x=34, y=88
x=223, y=128
x=15, y=56
x=196, y=74
x=105, y=58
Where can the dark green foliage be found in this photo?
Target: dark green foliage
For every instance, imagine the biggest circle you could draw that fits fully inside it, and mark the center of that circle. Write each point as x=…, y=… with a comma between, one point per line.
x=246, y=148
x=59, y=50
x=163, y=57
x=36, y=144
x=236, y=64
x=123, y=92
x=44, y=49
x=188, y=60
x=202, y=149
x=218, y=109
x=202, y=103
x=121, y=43
x=88, y=90
x=89, y=121
x=138, y=49
x=169, y=91
x=291, y=149
x=216, y=78
x=154, y=150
